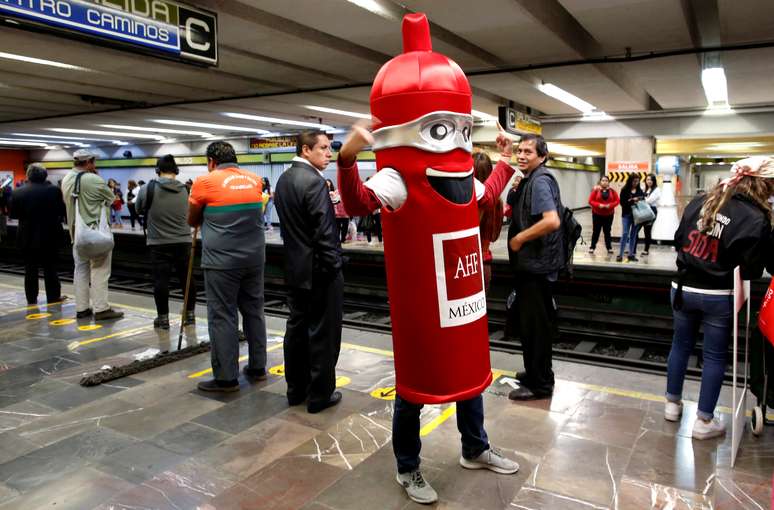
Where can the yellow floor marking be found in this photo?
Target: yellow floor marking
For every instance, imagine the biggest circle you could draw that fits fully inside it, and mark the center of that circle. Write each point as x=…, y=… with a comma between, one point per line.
x=126, y=332
x=445, y=415
x=62, y=322
x=241, y=358
x=277, y=370
x=89, y=327
x=386, y=393
x=342, y=381
x=363, y=348
x=38, y=316
x=496, y=373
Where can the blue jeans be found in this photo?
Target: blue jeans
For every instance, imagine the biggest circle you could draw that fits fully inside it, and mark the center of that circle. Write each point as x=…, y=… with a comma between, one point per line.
x=629, y=233
x=714, y=313
x=405, y=431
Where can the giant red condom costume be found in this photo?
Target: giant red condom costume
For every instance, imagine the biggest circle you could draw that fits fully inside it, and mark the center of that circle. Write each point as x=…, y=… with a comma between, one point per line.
x=421, y=105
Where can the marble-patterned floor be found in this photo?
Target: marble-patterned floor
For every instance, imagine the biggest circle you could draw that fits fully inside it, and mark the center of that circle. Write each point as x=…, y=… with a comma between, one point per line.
x=152, y=441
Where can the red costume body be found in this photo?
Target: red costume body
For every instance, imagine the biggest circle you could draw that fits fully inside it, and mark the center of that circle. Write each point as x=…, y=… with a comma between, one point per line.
x=432, y=245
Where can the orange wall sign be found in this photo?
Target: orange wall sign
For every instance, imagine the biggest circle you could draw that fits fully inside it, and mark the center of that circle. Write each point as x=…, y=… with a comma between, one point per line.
x=628, y=166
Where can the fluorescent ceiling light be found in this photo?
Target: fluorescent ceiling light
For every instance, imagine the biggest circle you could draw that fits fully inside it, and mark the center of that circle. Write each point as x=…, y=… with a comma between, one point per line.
x=596, y=116
x=171, y=122
x=562, y=95
x=482, y=115
x=157, y=130
x=713, y=79
x=334, y=111
x=58, y=137
x=734, y=146
x=569, y=150
x=32, y=60
x=106, y=133
x=375, y=7
x=23, y=144
x=61, y=142
x=275, y=120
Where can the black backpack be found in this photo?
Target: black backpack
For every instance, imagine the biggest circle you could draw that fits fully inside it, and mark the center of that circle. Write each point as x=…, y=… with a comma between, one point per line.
x=571, y=232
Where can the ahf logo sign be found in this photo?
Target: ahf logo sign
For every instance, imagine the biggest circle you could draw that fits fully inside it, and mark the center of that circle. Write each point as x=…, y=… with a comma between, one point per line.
x=459, y=277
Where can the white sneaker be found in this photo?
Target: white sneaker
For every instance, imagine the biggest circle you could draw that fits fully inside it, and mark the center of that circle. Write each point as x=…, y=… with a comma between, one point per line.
x=417, y=488
x=673, y=411
x=707, y=430
x=493, y=460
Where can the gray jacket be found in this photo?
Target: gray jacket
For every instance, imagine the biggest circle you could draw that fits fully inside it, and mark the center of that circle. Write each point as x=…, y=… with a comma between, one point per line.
x=167, y=218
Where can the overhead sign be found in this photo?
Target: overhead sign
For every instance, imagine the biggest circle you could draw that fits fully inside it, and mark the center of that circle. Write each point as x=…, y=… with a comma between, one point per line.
x=276, y=142
x=517, y=122
x=628, y=166
x=161, y=27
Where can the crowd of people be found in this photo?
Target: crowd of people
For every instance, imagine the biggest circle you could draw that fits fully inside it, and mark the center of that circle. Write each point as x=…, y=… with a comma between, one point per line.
x=730, y=226
x=604, y=200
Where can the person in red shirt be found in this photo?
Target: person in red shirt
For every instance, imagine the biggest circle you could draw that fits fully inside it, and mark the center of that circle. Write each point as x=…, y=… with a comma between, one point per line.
x=491, y=218
x=603, y=201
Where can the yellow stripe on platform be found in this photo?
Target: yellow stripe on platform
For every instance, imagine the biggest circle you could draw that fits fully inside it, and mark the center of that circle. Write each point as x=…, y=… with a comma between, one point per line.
x=438, y=420
x=127, y=332
x=241, y=358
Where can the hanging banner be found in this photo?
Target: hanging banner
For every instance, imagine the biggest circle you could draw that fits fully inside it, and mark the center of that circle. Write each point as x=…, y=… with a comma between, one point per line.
x=160, y=27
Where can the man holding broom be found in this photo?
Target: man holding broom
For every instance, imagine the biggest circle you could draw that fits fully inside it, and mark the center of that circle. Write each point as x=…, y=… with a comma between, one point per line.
x=227, y=204
x=164, y=203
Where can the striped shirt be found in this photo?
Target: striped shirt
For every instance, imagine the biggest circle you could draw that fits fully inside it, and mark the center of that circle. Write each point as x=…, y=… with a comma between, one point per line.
x=232, y=229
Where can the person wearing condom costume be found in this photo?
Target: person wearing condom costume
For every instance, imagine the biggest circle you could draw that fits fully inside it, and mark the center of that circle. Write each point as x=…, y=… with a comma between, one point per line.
x=424, y=186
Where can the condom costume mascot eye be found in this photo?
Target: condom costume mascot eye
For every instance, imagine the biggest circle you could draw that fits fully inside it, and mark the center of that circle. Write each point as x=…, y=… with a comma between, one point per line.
x=421, y=105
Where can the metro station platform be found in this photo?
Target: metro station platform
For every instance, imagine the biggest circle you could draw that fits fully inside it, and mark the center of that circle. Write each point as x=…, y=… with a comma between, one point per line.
x=152, y=441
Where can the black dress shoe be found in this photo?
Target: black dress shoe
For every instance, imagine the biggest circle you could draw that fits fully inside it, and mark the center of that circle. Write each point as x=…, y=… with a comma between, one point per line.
x=316, y=407
x=524, y=393
x=107, y=315
x=218, y=386
x=296, y=401
x=255, y=374
x=84, y=313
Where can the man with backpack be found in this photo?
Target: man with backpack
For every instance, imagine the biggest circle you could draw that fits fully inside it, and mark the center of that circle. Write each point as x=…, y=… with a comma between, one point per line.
x=164, y=203
x=538, y=251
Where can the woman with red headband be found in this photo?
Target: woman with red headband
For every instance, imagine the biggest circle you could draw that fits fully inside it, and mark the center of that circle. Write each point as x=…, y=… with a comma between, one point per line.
x=730, y=226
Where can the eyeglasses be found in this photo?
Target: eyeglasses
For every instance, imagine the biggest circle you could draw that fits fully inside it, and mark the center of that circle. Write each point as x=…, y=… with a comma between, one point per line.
x=434, y=132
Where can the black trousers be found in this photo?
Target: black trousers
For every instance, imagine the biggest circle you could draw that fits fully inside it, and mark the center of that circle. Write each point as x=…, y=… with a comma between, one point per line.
x=601, y=224
x=47, y=259
x=376, y=229
x=165, y=259
x=313, y=339
x=537, y=320
x=648, y=228
x=343, y=224
x=133, y=216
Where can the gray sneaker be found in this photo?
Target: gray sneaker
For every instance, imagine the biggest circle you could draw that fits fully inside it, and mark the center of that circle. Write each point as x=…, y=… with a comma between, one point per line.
x=493, y=460
x=417, y=488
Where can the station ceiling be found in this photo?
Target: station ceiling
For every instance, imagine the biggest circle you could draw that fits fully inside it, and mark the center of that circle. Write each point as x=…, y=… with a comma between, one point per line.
x=279, y=56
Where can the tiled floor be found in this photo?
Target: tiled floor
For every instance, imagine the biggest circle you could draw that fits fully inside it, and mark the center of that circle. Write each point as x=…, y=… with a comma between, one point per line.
x=153, y=442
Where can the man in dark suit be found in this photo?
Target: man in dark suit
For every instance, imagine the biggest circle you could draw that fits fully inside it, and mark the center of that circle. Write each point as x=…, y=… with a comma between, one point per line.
x=313, y=273
x=40, y=209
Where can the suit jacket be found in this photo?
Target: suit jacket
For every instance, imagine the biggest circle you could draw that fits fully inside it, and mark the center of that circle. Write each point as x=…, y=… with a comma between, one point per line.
x=308, y=223
x=40, y=209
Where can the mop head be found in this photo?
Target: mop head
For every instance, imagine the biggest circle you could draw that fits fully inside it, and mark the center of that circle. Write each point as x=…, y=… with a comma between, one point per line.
x=137, y=366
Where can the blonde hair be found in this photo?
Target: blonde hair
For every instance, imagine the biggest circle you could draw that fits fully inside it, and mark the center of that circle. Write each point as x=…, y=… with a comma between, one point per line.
x=757, y=189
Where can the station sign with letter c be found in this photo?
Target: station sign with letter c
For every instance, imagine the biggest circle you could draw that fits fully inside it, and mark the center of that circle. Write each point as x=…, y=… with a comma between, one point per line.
x=159, y=27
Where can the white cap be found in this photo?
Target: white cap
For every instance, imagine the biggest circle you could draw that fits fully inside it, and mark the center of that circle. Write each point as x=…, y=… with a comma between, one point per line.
x=83, y=155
